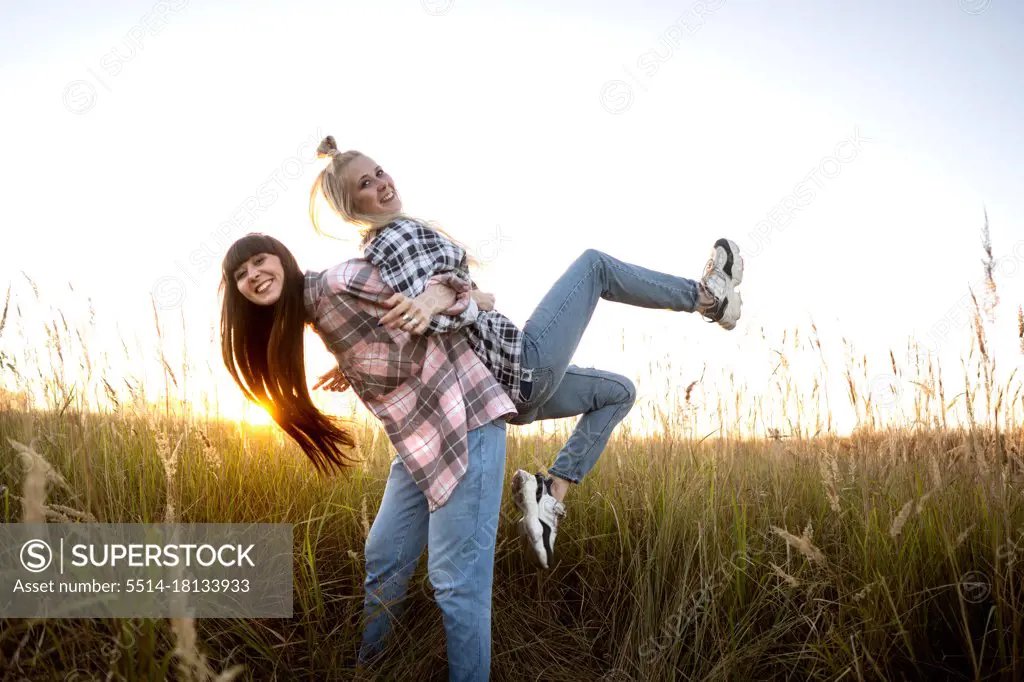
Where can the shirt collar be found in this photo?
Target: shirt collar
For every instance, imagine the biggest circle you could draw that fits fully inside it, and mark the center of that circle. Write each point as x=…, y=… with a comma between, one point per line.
x=374, y=232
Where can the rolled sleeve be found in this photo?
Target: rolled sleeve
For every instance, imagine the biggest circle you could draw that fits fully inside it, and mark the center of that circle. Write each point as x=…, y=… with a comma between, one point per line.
x=442, y=323
x=463, y=292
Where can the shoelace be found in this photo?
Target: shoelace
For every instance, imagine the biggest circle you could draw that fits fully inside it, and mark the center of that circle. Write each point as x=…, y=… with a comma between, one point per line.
x=709, y=266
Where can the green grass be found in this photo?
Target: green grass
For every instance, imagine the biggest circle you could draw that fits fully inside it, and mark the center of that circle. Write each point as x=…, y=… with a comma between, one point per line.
x=665, y=569
x=891, y=554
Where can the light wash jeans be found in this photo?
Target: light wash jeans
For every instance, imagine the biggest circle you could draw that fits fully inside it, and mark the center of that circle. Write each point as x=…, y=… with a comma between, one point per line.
x=552, y=334
x=460, y=539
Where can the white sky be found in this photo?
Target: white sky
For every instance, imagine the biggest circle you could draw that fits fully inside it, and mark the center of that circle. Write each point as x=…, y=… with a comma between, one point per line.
x=494, y=120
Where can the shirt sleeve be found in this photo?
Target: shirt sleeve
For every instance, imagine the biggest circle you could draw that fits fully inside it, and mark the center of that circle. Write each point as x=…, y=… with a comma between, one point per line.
x=410, y=256
x=460, y=314
x=443, y=323
x=463, y=294
x=368, y=356
x=358, y=278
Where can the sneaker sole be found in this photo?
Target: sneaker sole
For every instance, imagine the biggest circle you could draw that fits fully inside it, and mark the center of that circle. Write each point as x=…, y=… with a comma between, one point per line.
x=734, y=299
x=733, y=268
x=733, y=260
x=531, y=533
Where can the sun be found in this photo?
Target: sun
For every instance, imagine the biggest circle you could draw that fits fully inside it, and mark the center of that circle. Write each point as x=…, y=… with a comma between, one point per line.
x=244, y=412
x=254, y=415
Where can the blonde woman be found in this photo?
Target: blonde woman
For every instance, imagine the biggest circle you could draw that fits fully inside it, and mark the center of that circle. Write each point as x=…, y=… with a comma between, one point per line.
x=532, y=363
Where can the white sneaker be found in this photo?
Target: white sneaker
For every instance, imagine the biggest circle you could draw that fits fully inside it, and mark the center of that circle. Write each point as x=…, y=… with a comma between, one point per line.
x=541, y=513
x=722, y=274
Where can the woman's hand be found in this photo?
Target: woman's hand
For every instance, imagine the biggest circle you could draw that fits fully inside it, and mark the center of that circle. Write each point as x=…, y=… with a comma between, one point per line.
x=411, y=315
x=333, y=380
x=483, y=301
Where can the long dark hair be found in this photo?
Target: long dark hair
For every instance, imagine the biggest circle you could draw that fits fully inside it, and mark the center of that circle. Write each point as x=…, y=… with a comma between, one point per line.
x=262, y=349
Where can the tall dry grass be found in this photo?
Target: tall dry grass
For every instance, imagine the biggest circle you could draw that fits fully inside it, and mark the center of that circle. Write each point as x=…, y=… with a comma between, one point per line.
x=680, y=560
x=893, y=552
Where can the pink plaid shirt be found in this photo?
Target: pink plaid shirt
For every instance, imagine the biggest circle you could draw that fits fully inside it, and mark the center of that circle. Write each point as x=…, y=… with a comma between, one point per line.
x=427, y=391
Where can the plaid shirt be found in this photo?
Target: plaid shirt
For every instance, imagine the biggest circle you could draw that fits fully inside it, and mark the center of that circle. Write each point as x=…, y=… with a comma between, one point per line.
x=408, y=254
x=428, y=391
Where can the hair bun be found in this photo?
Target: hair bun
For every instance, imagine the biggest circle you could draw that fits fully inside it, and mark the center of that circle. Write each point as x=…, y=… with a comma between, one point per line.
x=328, y=147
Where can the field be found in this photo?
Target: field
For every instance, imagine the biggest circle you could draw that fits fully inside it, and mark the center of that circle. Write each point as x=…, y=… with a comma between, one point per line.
x=890, y=553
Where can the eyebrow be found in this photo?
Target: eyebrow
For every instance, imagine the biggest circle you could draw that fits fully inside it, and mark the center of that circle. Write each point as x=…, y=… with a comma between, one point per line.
x=241, y=266
x=364, y=175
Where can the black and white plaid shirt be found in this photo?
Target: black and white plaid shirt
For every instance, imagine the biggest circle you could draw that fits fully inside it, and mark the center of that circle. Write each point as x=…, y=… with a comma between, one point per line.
x=408, y=254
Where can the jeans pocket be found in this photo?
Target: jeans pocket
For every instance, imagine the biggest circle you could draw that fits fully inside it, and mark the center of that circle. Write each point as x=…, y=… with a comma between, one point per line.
x=540, y=380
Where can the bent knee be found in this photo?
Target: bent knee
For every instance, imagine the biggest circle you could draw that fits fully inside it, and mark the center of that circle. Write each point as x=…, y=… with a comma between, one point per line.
x=628, y=391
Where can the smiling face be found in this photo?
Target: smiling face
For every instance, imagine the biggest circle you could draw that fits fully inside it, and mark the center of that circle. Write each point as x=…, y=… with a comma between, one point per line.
x=260, y=279
x=372, y=190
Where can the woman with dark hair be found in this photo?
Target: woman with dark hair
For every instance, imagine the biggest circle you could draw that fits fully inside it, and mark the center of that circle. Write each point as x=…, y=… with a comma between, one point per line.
x=442, y=409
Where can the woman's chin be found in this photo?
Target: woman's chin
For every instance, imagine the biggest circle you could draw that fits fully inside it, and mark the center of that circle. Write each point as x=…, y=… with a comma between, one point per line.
x=266, y=300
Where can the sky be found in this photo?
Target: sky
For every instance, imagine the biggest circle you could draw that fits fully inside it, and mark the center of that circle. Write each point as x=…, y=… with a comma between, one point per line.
x=852, y=151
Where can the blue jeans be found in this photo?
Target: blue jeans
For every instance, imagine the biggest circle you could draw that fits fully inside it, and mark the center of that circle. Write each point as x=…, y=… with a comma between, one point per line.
x=552, y=334
x=459, y=538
